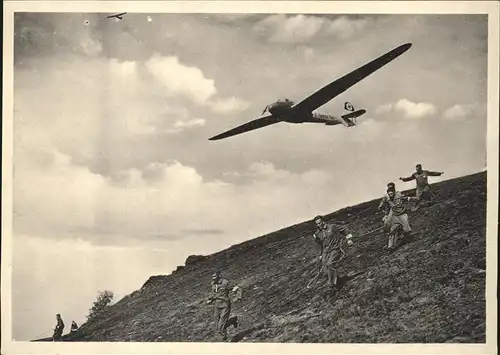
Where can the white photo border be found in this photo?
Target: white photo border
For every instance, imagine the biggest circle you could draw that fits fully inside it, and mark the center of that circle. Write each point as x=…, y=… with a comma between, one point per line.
x=491, y=8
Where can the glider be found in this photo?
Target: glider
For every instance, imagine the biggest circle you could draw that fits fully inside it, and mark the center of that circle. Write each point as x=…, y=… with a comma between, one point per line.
x=117, y=16
x=302, y=112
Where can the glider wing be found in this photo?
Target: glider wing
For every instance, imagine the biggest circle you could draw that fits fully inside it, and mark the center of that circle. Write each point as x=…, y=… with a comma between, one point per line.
x=249, y=126
x=325, y=94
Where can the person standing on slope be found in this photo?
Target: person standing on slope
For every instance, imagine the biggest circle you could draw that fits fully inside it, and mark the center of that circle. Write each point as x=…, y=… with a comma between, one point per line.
x=58, y=329
x=74, y=327
x=331, y=238
x=422, y=179
x=396, y=205
x=385, y=207
x=220, y=297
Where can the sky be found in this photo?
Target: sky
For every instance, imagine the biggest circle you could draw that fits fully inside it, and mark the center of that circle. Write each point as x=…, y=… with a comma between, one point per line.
x=115, y=179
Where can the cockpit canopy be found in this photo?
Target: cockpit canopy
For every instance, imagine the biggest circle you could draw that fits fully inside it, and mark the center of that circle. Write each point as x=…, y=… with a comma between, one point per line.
x=285, y=101
x=278, y=106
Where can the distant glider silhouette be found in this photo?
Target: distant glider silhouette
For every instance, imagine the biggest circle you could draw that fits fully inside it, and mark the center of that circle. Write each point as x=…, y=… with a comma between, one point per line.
x=117, y=16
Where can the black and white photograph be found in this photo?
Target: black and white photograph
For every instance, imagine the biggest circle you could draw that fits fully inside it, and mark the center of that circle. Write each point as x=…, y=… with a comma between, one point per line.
x=293, y=173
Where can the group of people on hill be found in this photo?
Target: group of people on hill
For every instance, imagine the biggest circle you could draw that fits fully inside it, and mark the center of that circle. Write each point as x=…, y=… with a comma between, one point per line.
x=394, y=203
x=331, y=238
x=59, y=328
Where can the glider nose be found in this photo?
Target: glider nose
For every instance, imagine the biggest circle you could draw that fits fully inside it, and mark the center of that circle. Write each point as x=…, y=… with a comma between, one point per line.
x=272, y=108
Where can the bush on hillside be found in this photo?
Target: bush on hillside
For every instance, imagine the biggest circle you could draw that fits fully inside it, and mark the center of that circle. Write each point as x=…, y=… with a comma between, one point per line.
x=104, y=298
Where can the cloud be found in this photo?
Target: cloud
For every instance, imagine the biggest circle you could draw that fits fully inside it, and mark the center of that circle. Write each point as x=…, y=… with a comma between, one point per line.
x=197, y=122
x=184, y=124
x=161, y=199
x=293, y=29
x=410, y=110
x=181, y=79
x=285, y=29
x=382, y=109
x=415, y=110
x=125, y=106
x=140, y=204
x=458, y=112
x=121, y=107
x=49, y=33
x=233, y=19
x=344, y=27
x=230, y=105
x=264, y=170
x=123, y=69
x=90, y=46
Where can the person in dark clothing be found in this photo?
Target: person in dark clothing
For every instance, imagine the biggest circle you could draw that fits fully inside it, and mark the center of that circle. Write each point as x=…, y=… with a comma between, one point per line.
x=220, y=297
x=396, y=205
x=421, y=177
x=331, y=238
x=384, y=206
x=74, y=327
x=58, y=329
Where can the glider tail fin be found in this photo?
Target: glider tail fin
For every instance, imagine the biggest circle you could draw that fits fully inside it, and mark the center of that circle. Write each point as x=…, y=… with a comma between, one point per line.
x=347, y=122
x=349, y=119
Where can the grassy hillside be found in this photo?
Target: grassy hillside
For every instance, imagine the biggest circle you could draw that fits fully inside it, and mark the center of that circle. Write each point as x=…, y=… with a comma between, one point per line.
x=429, y=290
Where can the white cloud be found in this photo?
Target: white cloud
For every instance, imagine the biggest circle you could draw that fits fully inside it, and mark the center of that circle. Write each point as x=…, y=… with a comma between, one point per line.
x=121, y=106
x=63, y=184
x=74, y=198
x=90, y=46
x=184, y=124
x=458, y=112
x=301, y=28
x=230, y=105
x=369, y=123
x=197, y=122
x=81, y=39
x=190, y=82
x=123, y=69
x=344, y=27
x=411, y=110
x=230, y=18
x=266, y=170
x=124, y=105
x=290, y=29
x=181, y=79
x=262, y=168
x=415, y=110
x=382, y=109
x=160, y=199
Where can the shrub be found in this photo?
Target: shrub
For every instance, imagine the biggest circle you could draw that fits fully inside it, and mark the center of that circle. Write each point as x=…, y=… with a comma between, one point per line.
x=104, y=298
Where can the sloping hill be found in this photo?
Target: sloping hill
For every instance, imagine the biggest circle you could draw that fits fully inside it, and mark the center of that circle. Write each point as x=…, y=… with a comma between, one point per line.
x=429, y=290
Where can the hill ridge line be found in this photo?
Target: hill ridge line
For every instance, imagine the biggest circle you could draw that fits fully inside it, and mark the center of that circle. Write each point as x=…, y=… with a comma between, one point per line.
x=430, y=290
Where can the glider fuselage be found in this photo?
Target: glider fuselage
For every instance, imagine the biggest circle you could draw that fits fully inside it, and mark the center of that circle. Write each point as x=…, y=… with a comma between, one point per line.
x=285, y=111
